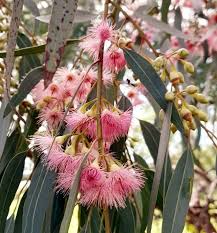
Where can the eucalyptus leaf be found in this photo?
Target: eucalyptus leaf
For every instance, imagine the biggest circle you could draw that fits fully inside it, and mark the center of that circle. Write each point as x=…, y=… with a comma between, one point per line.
x=178, y=195
x=27, y=84
x=37, y=201
x=27, y=62
x=162, y=152
x=9, y=185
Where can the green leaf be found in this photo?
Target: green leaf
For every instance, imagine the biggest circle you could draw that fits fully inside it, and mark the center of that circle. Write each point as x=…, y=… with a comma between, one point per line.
x=127, y=219
x=37, y=201
x=178, y=195
x=165, y=9
x=9, y=150
x=152, y=139
x=27, y=62
x=9, y=185
x=146, y=191
x=9, y=226
x=18, y=220
x=150, y=79
x=28, y=83
x=72, y=197
x=58, y=211
x=162, y=152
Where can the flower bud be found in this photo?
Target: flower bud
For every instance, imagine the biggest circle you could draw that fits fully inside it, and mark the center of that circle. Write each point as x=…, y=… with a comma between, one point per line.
x=183, y=53
x=186, y=114
x=158, y=62
x=192, y=125
x=188, y=67
x=176, y=77
x=201, y=98
x=192, y=108
x=202, y=115
x=191, y=89
x=186, y=128
x=163, y=75
x=170, y=96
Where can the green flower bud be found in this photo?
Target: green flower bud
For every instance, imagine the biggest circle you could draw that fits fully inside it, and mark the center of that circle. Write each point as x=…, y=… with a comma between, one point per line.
x=191, y=89
x=201, y=98
x=183, y=53
x=170, y=96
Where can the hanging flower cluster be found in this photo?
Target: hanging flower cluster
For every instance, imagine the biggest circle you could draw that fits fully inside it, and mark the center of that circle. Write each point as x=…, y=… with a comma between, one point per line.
x=104, y=181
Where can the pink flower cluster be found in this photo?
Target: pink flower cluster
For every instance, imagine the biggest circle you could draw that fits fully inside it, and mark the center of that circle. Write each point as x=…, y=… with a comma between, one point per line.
x=104, y=181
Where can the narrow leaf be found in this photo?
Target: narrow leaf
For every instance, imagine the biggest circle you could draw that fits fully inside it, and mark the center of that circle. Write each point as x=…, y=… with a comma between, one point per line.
x=178, y=195
x=27, y=62
x=9, y=184
x=150, y=79
x=165, y=9
x=18, y=220
x=27, y=84
x=152, y=139
x=39, y=193
x=162, y=151
x=9, y=150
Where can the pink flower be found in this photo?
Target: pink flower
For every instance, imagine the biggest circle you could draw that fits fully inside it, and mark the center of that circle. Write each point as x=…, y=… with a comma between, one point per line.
x=64, y=75
x=38, y=91
x=114, y=60
x=109, y=188
x=42, y=143
x=77, y=121
x=114, y=124
x=51, y=116
x=120, y=183
x=98, y=34
x=91, y=177
x=102, y=31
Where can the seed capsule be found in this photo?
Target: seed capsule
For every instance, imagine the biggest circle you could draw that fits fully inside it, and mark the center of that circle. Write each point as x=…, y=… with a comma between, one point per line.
x=191, y=89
